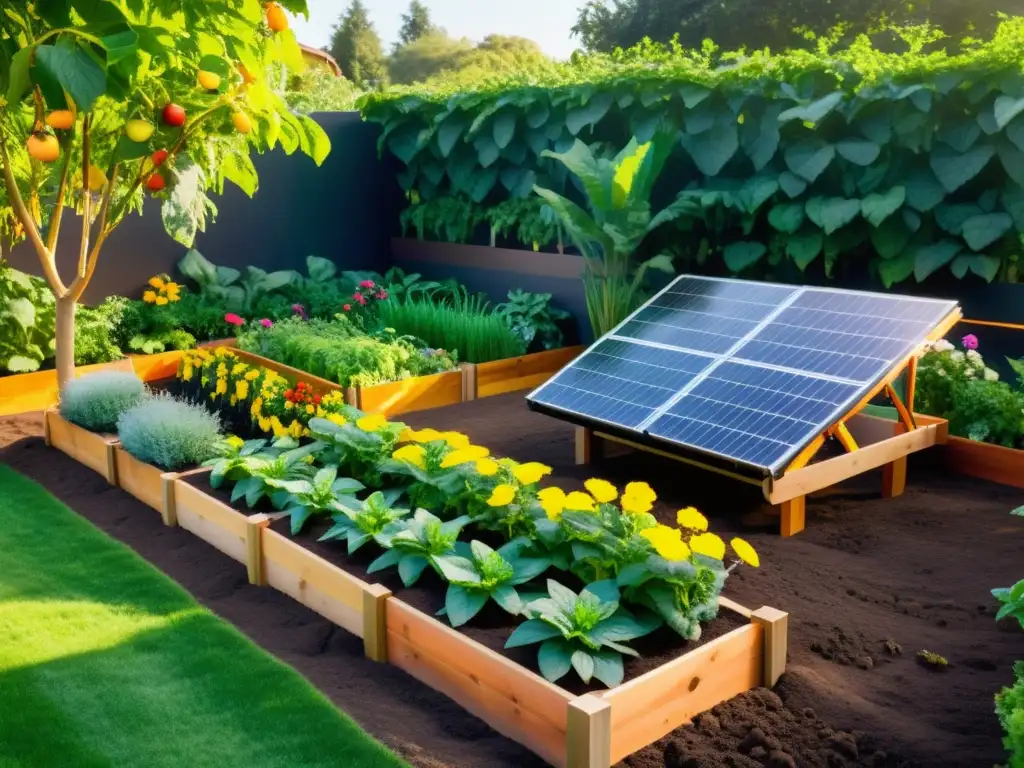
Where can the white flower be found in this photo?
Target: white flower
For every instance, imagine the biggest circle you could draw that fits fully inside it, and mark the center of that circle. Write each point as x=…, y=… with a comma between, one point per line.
x=991, y=375
x=974, y=355
x=941, y=372
x=969, y=373
x=957, y=356
x=943, y=346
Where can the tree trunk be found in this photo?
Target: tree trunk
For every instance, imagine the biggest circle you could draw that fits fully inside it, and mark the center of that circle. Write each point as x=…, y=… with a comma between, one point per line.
x=65, y=340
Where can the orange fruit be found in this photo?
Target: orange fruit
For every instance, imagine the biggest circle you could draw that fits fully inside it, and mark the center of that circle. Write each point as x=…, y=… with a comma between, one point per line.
x=208, y=80
x=242, y=122
x=43, y=147
x=277, y=19
x=61, y=119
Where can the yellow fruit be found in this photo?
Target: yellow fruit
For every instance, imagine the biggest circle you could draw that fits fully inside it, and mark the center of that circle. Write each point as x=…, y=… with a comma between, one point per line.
x=43, y=147
x=208, y=80
x=138, y=130
x=97, y=179
x=277, y=20
x=242, y=122
x=61, y=119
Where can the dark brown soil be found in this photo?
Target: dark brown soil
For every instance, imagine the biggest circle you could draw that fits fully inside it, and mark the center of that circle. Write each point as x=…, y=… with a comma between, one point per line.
x=868, y=584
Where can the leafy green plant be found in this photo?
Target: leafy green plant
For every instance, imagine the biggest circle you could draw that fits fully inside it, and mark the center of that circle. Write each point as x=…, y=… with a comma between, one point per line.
x=171, y=434
x=477, y=573
x=988, y=411
x=26, y=321
x=532, y=222
x=683, y=593
x=1010, y=710
x=257, y=474
x=96, y=332
x=360, y=446
x=618, y=194
x=532, y=318
x=586, y=632
x=97, y=400
x=231, y=459
x=1012, y=602
x=314, y=496
x=358, y=522
x=414, y=542
x=450, y=219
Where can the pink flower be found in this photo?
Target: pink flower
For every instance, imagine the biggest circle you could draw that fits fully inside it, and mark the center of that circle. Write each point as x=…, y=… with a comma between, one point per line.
x=366, y=284
x=298, y=309
x=382, y=294
x=347, y=307
x=970, y=341
x=232, y=319
x=266, y=323
x=360, y=298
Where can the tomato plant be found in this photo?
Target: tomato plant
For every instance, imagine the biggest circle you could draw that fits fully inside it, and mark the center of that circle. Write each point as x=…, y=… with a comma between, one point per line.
x=122, y=86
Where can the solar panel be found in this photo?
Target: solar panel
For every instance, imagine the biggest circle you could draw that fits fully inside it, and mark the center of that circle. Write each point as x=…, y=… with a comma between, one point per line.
x=747, y=372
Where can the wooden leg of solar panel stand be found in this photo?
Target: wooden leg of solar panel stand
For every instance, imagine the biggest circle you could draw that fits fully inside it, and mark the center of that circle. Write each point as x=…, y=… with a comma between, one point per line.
x=894, y=474
x=586, y=446
x=793, y=516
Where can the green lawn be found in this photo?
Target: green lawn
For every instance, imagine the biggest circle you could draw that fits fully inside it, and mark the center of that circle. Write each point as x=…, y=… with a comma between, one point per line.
x=104, y=661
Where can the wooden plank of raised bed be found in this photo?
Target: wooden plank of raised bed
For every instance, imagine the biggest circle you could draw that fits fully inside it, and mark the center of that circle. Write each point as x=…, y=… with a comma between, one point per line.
x=524, y=372
x=510, y=698
x=37, y=391
x=91, y=449
x=415, y=394
x=995, y=463
x=656, y=703
x=141, y=480
x=211, y=520
x=311, y=580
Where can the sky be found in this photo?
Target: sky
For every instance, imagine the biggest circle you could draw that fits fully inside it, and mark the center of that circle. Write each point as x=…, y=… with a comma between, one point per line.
x=546, y=22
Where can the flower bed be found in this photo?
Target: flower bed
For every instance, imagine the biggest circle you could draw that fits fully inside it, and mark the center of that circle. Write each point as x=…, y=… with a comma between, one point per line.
x=96, y=451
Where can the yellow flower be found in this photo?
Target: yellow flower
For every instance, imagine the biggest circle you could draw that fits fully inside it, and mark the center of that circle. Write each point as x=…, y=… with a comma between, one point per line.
x=552, y=501
x=234, y=400
x=235, y=442
x=425, y=436
x=310, y=410
x=295, y=430
x=337, y=418
x=238, y=368
x=502, y=496
x=149, y=297
x=372, y=423
x=256, y=410
x=709, y=545
x=407, y=435
x=171, y=287
x=252, y=375
x=602, y=490
x=464, y=456
x=161, y=300
x=241, y=389
x=455, y=440
x=186, y=372
x=691, y=518
x=222, y=387
x=579, y=502
x=157, y=282
x=641, y=492
x=265, y=425
x=531, y=472
x=745, y=552
x=414, y=454
x=222, y=370
x=635, y=505
x=667, y=542
x=487, y=467
x=289, y=405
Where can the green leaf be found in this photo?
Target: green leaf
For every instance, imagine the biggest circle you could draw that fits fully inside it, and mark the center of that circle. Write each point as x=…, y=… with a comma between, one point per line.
x=954, y=169
x=78, y=73
x=22, y=364
x=809, y=158
x=756, y=191
x=712, y=149
x=891, y=237
x=1013, y=202
x=450, y=131
x=930, y=258
x=815, y=111
x=1005, y=109
x=859, y=151
x=876, y=208
x=693, y=94
x=740, y=255
x=482, y=183
x=803, y=248
x=924, y=191
x=761, y=138
x=608, y=668
x=791, y=184
x=982, y=231
x=22, y=310
x=786, y=217
x=120, y=45
x=1012, y=160
x=238, y=169
x=959, y=134
x=832, y=213
x=554, y=659
x=896, y=270
x=504, y=128
x=463, y=604
x=952, y=217
x=455, y=569
x=538, y=114
x=583, y=663
x=411, y=568
x=986, y=267
x=487, y=150
x=20, y=81
x=1015, y=132
x=590, y=113
x=530, y=632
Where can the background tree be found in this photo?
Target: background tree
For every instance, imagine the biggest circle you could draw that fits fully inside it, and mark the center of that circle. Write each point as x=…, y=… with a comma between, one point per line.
x=356, y=46
x=106, y=101
x=438, y=56
x=415, y=24
x=427, y=57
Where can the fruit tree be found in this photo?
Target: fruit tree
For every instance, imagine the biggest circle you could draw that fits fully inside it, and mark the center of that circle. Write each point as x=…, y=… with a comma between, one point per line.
x=106, y=102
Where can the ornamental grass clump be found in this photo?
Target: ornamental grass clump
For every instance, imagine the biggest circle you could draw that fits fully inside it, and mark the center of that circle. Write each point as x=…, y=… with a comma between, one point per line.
x=168, y=433
x=96, y=401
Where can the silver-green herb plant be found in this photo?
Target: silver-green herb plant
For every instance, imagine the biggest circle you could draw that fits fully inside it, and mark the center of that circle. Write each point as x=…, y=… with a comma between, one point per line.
x=95, y=401
x=171, y=434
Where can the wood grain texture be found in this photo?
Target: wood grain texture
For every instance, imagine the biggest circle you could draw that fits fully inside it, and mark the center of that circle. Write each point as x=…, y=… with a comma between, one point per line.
x=510, y=698
x=775, y=627
x=589, y=738
x=89, y=448
x=995, y=463
x=416, y=394
x=524, y=372
x=652, y=705
x=27, y=392
x=312, y=581
x=211, y=520
x=141, y=480
x=375, y=622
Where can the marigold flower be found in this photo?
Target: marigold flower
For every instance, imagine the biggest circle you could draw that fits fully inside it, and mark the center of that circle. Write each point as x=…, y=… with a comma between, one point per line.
x=667, y=542
x=464, y=456
x=579, y=501
x=745, y=552
x=531, y=472
x=552, y=501
x=157, y=282
x=691, y=518
x=241, y=389
x=414, y=454
x=487, y=467
x=222, y=387
x=603, y=491
x=149, y=297
x=641, y=491
x=160, y=300
x=634, y=505
x=372, y=423
x=502, y=496
x=709, y=545
x=336, y=418
x=235, y=441
x=256, y=409
x=456, y=440
x=427, y=435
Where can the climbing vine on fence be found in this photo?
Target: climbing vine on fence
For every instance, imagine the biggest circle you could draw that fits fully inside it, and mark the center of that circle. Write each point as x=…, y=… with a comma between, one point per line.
x=914, y=160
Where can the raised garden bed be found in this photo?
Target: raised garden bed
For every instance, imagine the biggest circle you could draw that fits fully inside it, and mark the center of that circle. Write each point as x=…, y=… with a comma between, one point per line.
x=37, y=391
x=94, y=450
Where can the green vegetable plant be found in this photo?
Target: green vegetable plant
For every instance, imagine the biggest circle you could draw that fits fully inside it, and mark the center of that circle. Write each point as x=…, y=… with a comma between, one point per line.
x=532, y=318
x=1012, y=602
x=232, y=458
x=618, y=194
x=261, y=472
x=683, y=593
x=360, y=446
x=358, y=522
x=449, y=219
x=413, y=543
x=532, y=222
x=316, y=495
x=586, y=632
x=26, y=321
x=1010, y=710
x=477, y=573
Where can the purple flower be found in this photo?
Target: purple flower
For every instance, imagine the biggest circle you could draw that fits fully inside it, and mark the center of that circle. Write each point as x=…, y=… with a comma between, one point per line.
x=970, y=341
x=299, y=310
x=266, y=323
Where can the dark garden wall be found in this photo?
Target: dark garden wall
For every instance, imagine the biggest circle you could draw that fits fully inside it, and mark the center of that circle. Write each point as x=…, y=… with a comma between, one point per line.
x=344, y=210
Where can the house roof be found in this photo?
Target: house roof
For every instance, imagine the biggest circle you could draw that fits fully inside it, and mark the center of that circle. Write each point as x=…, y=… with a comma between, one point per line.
x=323, y=55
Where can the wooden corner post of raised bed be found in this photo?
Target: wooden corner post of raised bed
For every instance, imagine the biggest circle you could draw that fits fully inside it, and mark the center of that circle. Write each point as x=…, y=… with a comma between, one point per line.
x=169, y=510
x=775, y=625
x=254, y=526
x=588, y=738
x=375, y=622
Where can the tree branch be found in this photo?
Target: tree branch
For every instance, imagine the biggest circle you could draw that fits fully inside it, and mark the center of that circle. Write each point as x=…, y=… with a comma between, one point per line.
x=45, y=256
x=83, y=251
x=82, y=281
x=51, y=239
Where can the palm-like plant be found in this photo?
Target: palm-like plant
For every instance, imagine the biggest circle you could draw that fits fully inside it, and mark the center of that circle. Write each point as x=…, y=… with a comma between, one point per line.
x=618, y=194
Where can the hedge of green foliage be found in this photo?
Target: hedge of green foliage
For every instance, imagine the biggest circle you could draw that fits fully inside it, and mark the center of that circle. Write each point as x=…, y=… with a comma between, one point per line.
x=914, y=160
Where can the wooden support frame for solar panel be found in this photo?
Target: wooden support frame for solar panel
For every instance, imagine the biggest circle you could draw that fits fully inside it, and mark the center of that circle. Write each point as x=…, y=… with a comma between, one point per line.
x=801, y=477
